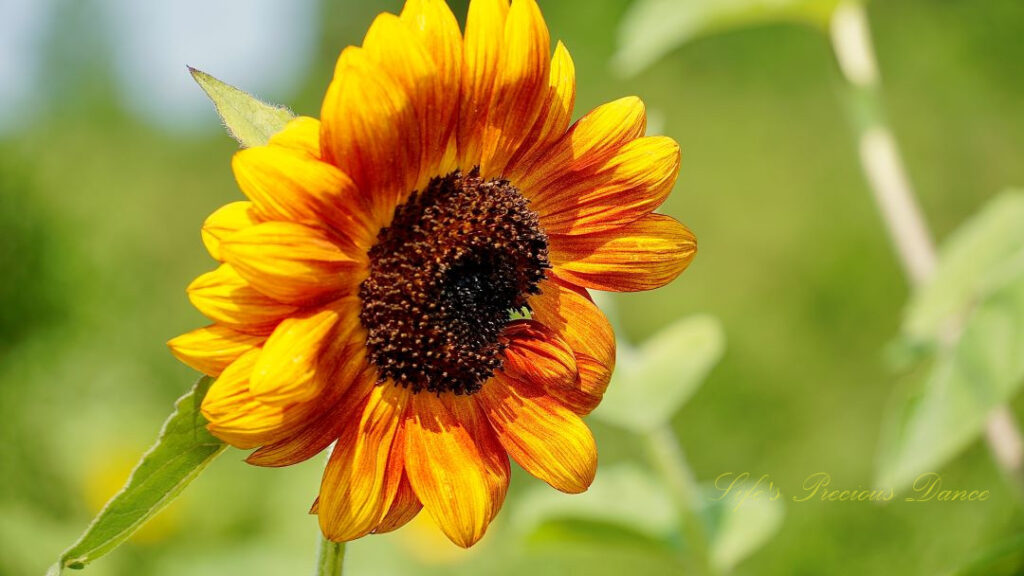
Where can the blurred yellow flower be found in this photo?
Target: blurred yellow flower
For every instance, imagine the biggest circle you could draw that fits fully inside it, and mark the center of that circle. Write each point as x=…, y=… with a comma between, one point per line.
x=366, y=288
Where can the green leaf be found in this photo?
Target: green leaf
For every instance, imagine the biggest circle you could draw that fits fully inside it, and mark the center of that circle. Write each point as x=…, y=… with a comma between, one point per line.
x=741, y=520
x=981, y=371
x=653, y=382
x=183, y=449
x=653, y=28
x=248, y=120
x=622, y=497
x=978, y=258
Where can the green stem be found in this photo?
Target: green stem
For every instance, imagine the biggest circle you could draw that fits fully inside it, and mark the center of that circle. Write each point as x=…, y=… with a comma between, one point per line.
x=330, y=557
x=666, y=454
x=897, y=203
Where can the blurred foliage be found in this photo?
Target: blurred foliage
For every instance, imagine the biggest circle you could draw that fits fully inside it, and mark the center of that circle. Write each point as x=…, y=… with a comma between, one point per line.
x=971, y=313
x=102, y=214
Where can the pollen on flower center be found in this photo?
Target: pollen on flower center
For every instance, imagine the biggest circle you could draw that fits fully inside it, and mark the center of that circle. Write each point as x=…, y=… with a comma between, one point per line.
x=458, y=258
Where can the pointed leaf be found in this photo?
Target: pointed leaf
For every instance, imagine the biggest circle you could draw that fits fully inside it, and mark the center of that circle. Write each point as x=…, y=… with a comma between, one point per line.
x=247, y=119
x=974, y=261
x=983, y=370
x=183, y=449
x=651, y=383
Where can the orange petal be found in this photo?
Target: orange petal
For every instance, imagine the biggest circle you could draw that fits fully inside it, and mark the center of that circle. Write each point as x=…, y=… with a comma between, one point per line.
x=393, y=46
x=226, y=298
x=628, y=186
x=643, y=255
x=302, y=134
x=555, y=110
x=543, y=436
x=591, y=141
x=405, y=507
x=481, y=53
x=352, y=382
x=521, y=86
x=568, y=311
x=291, y=262
x=239, y=419
x=365, y=469
x=432, y=22
x=289, y=185
x=213, y=348
x=227, y=219
x=370, y=129
x=537, y=354
x=455, y=465
x=285, y=371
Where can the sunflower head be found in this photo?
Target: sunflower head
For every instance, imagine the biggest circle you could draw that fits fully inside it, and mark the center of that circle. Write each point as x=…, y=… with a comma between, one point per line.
x=408, y=278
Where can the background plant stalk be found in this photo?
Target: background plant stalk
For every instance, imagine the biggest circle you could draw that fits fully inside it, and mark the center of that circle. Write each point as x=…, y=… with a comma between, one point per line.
x=883, y=167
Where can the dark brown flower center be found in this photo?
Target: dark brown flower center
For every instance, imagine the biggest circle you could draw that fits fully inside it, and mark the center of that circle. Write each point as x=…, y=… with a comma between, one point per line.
x=458, y=258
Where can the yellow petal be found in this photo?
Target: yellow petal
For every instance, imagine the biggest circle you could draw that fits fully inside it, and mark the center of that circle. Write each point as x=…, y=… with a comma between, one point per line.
x=455, y=465
x=226, y=220
x=301, y=134
x=240, y=420
x=481, y=53
x=291, y=356
x=405, y=507
x=543, y=436
x=590, y=141
x=521, y=86
x=288, y=185
x=629, y=185
x=292, y=263
x=365, y=469
x=213, y=348
x=555, y=111
x=371, y=131
x=643, y=255
x=225, y=297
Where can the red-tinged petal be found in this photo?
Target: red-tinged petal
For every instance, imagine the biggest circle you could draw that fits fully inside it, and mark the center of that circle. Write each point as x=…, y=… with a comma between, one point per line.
x=405, y=507
x=628, y=186
x=302, y=134
x=370, y=130
x=285, y=184
x=213, y=348
x=482, y=46
x=433, y=23
x=547, y=439
x=537, y=354
x=293, y=263
x=226, y=220
x=226, y=298
x=643, y=255
x=590, y=142
x=394, y=47
x=455, y=465
x=520, y=88
x=568, y=311
x=555, y=111
x=365, y=469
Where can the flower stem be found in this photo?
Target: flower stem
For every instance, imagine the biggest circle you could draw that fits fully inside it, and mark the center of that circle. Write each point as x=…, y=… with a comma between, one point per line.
x=883, y=167
x=330, y=556
x=667, y=456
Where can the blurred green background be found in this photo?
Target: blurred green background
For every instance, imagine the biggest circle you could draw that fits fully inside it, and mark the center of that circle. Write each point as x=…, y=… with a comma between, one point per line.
x=110, y=160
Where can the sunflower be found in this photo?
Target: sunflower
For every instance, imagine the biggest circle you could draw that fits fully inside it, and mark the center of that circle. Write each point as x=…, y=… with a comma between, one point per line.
x=408, y=277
